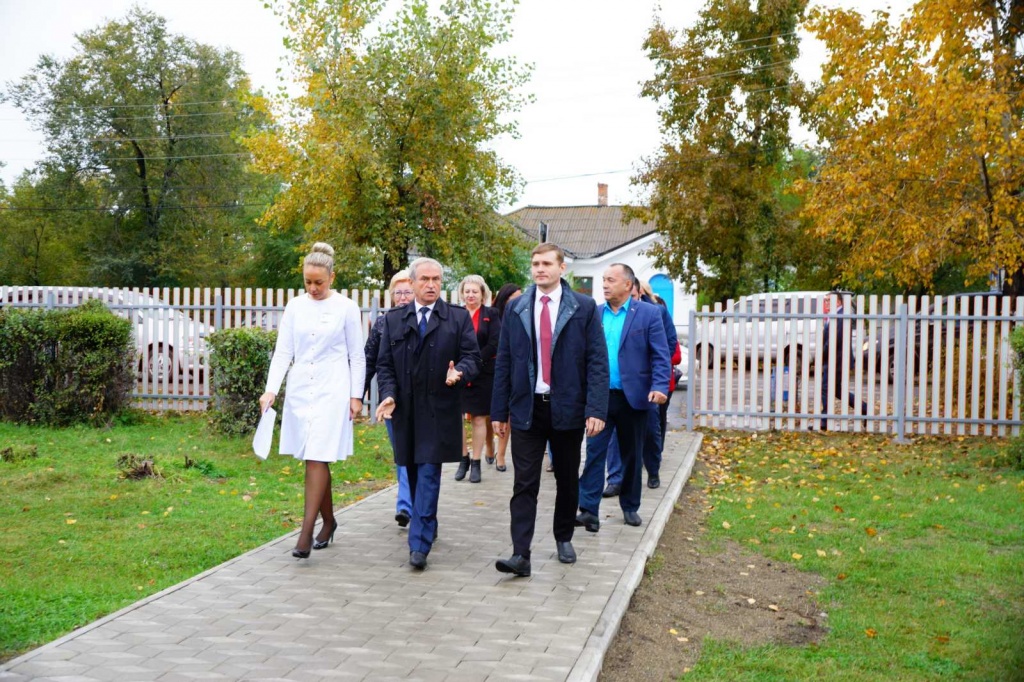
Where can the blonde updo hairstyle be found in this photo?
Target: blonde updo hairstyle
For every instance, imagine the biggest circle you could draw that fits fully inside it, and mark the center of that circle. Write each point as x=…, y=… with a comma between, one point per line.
x=485, y=298
x=321, y=255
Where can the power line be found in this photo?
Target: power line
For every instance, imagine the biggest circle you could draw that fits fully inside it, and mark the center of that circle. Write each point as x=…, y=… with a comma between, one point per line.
x=57, y=209
x=573, y=177
x=223, y=102
x=157, y=158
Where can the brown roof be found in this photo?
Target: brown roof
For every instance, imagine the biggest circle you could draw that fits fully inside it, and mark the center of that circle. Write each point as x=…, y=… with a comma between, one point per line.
x=582, y=231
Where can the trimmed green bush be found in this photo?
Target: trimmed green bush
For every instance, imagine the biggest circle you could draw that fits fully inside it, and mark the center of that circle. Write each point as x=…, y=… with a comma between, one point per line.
x=62, y=367
x=239, y=362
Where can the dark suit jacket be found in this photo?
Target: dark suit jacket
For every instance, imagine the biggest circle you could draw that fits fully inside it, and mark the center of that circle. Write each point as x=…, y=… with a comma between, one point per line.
x=644, y=359
x=836, y=318
x=487, y=334
x=579, y=364
x=427, y=421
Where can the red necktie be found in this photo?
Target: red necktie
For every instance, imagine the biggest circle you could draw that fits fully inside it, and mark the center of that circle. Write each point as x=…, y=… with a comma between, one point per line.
x=545, y=340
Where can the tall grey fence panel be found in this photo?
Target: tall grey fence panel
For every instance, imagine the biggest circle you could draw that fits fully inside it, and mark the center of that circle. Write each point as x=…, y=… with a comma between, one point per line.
x=896, y=365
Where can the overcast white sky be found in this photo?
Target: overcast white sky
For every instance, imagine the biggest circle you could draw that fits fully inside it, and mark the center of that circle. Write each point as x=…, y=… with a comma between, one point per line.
x=588, y=119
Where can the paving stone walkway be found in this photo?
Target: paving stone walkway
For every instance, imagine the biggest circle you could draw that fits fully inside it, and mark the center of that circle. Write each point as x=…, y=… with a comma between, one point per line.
x=357, y=611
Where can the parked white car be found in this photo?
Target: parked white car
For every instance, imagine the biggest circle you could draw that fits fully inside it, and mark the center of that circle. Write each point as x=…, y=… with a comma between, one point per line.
x=748, y=322
x=166, y=339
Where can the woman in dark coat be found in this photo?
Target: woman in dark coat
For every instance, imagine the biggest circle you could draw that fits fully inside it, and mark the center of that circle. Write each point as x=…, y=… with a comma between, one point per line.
x=476, y=396
x=506, y=294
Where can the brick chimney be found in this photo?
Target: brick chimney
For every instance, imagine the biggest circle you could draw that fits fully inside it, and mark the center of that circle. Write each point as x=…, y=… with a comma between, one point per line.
x=602, y=194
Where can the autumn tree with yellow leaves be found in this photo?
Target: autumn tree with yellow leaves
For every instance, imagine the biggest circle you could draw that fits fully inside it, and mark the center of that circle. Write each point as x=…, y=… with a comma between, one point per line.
x=386, y=147
x=921, y=125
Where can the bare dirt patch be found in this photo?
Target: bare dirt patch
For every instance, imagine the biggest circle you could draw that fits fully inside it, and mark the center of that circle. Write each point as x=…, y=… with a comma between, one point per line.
x=692, y=590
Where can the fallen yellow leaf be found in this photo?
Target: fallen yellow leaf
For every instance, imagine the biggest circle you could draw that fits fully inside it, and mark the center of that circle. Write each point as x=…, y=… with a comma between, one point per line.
x=871, y=632
x=798, y=557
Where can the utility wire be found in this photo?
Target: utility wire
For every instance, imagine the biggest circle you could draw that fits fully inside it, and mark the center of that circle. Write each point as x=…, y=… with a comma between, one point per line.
x=56, y=209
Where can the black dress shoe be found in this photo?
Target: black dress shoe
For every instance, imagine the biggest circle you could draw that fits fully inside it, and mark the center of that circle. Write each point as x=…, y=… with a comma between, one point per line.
x=566, y=554
x=474, y=471
x=654, y=481
x=515, y=564
x=631, y=518
x=460, y=473
x=588, y=521
x=418, y=560
x=612, y=490
x=402, y=518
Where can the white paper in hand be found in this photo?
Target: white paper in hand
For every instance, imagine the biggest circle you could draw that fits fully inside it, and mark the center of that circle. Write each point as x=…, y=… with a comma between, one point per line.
x=264, y=434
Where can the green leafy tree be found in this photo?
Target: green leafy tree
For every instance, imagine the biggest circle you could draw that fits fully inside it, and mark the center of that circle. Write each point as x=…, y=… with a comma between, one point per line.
x=149, y=117
x=386, y=148
x=726, y=90
x=41, y=243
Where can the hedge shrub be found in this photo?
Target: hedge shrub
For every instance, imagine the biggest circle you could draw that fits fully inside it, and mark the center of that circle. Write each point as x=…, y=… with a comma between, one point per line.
x=239, y=362
x=65, y=366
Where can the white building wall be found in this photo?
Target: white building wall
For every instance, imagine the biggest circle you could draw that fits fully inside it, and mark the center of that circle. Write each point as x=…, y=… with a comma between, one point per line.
x=643, y=265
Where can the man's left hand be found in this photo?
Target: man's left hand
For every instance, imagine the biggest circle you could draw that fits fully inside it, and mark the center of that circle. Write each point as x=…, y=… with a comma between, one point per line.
x=657, y=397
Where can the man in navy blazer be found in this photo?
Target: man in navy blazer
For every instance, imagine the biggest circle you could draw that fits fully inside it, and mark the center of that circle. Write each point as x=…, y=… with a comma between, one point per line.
x=639, y=366
x=550, y=385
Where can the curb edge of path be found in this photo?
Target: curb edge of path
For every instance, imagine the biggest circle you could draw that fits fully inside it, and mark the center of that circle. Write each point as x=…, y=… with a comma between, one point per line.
x=588, y=665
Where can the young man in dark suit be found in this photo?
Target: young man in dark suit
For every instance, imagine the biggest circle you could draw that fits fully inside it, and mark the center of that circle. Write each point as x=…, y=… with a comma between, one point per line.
x=639, y=366
x=550, y=386
x=428, y=351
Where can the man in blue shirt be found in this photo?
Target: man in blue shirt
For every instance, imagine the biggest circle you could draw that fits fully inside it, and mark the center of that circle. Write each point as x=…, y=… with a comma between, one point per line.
x=639, y=366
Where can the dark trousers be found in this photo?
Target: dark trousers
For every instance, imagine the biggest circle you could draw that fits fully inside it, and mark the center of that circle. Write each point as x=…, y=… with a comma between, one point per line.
x=837, y=392
x=528, y=460
x=425, y=489
x=630, y=428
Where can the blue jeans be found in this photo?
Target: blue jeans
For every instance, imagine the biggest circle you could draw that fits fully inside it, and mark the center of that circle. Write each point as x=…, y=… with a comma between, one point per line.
x=404, y=501
x=654, y=443
x=425, y=486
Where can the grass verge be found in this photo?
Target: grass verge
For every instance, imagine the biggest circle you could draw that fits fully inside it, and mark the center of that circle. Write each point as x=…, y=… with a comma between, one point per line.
x=80, y=540
x=922, y=545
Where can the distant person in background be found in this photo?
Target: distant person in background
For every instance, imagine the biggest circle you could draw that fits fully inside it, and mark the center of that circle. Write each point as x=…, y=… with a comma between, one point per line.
x=321, y=332
x=476, y=396
x=401, y=293
x=507, y=292
x=840, y=350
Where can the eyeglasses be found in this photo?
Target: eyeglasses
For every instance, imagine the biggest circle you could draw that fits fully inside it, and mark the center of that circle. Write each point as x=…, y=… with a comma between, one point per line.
x=398, y=293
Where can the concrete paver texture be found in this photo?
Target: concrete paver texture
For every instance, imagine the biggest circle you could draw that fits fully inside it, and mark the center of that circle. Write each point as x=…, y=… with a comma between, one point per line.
x=357, y=611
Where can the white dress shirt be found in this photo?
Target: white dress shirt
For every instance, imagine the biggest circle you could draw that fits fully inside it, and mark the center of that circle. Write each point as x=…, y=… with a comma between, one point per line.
x=556, y=299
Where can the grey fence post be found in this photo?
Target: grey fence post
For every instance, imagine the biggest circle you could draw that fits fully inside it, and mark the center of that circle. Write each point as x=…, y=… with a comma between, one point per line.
x=691, y=373
x=901, y=374
x=51, y=301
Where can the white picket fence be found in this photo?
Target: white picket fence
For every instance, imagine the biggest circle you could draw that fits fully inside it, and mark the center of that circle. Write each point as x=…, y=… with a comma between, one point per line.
x=920, y=365
x=171, y=326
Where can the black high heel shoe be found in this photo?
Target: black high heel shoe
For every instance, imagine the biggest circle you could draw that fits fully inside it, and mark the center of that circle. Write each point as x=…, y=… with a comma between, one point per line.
x=320, y=544
x=300, y=554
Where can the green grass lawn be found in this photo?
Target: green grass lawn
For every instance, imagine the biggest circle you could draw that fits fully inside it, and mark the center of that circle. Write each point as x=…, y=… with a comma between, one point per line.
x=79, y=540
x=922, y=546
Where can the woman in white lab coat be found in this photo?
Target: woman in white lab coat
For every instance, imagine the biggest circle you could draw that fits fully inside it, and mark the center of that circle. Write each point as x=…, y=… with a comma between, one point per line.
x=320, y=339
